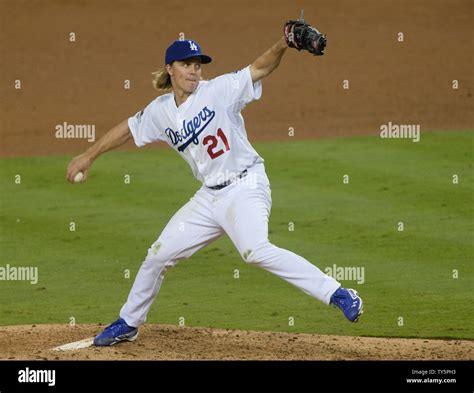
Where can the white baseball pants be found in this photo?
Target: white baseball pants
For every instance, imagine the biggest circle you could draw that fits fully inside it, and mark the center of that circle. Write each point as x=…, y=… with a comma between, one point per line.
x=241, y=210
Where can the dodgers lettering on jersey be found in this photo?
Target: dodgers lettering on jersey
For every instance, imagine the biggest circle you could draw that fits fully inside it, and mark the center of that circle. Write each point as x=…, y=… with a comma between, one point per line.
x=191, y=129
x=207, y=130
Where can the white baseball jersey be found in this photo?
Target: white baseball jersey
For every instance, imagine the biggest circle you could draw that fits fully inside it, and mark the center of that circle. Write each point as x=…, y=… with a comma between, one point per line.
x=207, y=130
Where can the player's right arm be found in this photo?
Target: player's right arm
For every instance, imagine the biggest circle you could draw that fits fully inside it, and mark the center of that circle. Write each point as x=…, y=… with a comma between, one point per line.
x=114, y=138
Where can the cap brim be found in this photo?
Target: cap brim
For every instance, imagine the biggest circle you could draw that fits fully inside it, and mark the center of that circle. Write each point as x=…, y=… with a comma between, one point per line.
x=204, y=59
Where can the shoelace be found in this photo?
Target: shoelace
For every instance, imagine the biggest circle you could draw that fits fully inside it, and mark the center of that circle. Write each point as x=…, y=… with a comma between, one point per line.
x=339, y=302
x=116, y=326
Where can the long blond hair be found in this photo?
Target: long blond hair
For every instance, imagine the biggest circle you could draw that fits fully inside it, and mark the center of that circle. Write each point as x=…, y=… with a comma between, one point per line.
x=161, y=79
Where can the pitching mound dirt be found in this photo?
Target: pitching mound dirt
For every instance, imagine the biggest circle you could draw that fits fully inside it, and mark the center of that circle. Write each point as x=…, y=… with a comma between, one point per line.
x=163, y=342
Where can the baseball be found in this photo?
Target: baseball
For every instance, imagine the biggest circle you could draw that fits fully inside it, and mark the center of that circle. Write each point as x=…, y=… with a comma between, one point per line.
x=78, y=178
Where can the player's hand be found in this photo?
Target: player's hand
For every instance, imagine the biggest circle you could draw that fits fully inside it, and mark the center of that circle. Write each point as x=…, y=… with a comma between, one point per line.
x=302, y=36
x=81, y=163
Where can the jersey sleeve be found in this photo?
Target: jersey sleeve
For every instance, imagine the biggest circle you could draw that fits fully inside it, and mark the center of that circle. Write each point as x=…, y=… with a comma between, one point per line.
x=236, y=89
x=145, y=127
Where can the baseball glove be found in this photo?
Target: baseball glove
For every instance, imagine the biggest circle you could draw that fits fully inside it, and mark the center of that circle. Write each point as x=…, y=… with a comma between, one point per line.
x=302, y=36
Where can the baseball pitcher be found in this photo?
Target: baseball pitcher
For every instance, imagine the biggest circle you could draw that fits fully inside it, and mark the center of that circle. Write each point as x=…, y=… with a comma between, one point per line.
x=202, y=121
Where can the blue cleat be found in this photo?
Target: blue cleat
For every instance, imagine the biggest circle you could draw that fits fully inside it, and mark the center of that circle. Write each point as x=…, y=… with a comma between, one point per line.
x=115, y=333
x=349, y=301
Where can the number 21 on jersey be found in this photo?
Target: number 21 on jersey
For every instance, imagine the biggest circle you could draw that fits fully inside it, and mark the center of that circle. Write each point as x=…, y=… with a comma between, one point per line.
x=212, y=141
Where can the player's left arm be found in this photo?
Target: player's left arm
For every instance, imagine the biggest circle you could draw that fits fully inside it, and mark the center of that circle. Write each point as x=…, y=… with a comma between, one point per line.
x=297, y=34
x=267, y=62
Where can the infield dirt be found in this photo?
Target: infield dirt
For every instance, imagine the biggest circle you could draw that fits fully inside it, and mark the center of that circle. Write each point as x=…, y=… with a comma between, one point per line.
x=166, y=342
x=82, y=81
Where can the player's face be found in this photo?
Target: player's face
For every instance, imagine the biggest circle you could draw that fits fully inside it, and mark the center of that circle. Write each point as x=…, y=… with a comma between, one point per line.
x=186, y=74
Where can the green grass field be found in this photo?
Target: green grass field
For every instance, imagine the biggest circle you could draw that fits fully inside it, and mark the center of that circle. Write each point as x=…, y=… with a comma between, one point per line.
x=423, y=274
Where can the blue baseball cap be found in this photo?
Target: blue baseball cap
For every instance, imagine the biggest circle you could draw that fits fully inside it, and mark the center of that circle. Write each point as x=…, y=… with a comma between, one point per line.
x=180, y=50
